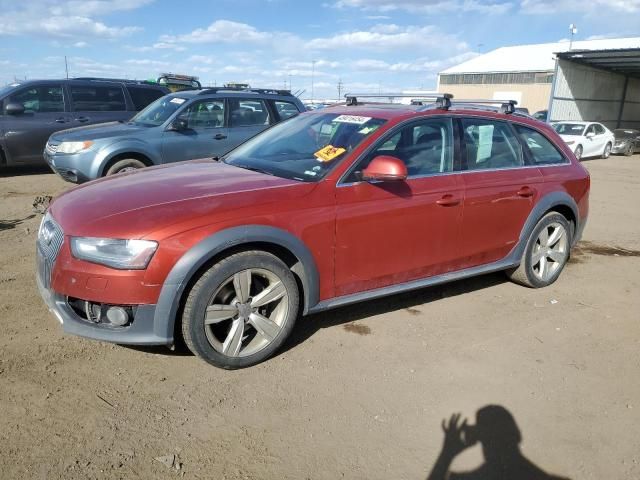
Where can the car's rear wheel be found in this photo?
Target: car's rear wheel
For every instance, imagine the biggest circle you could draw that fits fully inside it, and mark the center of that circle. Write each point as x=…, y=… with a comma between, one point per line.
x=607, y=151
x=125, y=165
x=241, y=310
x=578, y=152
x=546, y=253
x=629, y=150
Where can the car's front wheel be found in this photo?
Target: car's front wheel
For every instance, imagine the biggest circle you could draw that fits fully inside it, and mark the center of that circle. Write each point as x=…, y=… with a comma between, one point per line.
x=125, y=165
x=546, y=253
x=241, y=310
x=629, y=150
x=607, y=151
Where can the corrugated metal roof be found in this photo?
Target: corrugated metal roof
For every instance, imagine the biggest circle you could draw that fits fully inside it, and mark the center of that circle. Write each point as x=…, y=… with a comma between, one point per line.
x=624, y=61
x=535, y=58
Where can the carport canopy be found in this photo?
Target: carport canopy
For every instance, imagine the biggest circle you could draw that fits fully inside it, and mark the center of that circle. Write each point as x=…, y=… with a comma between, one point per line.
x=597, y=85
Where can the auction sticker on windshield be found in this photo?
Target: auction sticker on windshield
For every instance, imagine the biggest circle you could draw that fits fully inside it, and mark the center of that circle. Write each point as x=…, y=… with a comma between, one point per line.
x=177, y=100
x=352, y=119
x=328, y=153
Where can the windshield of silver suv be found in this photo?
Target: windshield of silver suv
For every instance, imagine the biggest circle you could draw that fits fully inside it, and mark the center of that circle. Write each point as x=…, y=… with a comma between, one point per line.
x=158, y=112
x=305, y=147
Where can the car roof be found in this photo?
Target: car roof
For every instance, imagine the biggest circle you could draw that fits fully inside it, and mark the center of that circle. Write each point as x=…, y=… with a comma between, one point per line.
x=202, y=92
x=112, y=81
x=575, y=122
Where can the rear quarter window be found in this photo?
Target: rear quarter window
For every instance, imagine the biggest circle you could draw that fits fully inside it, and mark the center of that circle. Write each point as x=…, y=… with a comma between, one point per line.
x=542, y=151
x=141, y=97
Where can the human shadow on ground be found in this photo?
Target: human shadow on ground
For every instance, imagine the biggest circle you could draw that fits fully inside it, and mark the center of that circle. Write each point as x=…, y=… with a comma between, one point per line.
x=9, y=224
x=499, y=436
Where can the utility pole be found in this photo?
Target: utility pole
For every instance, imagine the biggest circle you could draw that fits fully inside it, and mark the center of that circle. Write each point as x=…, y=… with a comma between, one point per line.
x=340, y=85
x=66, y=66
x=313, y=73
x=573, y=29
x=289, y=82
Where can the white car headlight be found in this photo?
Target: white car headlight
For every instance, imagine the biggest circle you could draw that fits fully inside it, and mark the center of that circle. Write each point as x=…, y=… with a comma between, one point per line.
x=73, y=147
x=115, y=253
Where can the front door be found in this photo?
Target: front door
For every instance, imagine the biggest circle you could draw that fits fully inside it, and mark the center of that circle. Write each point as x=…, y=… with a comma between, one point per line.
x=26, y=134
x=205, y=136
x=393, y=232
x=499, y=189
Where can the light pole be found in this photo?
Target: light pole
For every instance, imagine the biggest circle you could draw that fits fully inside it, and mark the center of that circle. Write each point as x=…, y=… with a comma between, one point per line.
x=573, y=29
x=313, y=73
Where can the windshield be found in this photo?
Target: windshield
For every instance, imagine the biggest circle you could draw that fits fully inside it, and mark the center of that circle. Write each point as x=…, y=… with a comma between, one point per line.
x=569, y=128
x=623, y=133
x=8, y=88
x=158, y=112
x=305, y=147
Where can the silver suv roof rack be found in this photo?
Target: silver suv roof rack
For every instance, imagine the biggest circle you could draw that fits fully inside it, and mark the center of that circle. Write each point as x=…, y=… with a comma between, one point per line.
x=441, y=101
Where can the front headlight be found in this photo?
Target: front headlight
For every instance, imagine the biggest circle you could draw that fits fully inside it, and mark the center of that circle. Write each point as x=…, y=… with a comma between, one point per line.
x=115, y=253
x=73, y=147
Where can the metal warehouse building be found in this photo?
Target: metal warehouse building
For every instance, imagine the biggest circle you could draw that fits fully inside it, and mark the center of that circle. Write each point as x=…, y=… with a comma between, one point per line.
x=595, y=80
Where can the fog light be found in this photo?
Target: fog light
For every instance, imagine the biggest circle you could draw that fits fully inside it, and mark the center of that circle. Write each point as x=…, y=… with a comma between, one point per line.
x=117, y=316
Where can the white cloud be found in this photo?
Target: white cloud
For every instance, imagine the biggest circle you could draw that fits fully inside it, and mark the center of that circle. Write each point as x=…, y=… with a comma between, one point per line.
x=427, y=7
x=391, y=37
x=220, y=31
x=550, y=7
x=80, y=44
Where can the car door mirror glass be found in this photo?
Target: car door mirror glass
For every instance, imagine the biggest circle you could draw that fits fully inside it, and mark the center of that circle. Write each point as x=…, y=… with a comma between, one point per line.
x=590, y=135
x=385, y=168
x=14, y=108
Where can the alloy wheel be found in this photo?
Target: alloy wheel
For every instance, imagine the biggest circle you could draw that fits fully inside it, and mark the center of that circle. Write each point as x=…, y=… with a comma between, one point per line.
x=549, y=252
x=246, y=313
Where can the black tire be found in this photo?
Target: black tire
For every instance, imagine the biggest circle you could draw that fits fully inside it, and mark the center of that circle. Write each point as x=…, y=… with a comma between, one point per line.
x=202, y=294
x=124, y=165
x=606, y=153
x=629, y=150
x=524, y=274
x=578, y=152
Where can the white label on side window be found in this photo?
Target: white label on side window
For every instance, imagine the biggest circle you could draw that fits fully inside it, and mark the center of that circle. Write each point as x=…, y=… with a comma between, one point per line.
x=352, y=119
x=177, y=100
x=485, y=142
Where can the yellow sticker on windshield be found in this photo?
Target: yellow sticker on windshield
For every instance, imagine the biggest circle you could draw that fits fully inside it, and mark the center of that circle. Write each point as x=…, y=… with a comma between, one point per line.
x=328, y=153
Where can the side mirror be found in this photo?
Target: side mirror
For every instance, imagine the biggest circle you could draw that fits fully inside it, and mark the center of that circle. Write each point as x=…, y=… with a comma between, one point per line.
x=14, y=108
x=179, y=124
x=385, y=168
x=590, y=135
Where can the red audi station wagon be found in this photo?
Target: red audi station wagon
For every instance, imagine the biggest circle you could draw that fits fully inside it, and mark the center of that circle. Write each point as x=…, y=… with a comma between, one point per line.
x=331, y=207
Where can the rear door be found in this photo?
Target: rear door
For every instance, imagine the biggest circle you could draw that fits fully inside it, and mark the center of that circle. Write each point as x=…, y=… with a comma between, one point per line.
x=247, y=117
x=26, y=134
x=97, y=103
x=205, y=136
x=500, y=190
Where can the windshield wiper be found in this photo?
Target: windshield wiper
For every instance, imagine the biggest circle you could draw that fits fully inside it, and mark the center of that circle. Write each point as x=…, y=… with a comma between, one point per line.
x=253, y=169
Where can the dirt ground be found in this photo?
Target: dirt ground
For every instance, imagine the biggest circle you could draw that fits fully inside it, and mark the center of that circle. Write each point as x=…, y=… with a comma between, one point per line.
x=358, y=392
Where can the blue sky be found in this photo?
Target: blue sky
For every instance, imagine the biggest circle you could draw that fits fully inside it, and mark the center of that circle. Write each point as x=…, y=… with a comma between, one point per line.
x=370, y=45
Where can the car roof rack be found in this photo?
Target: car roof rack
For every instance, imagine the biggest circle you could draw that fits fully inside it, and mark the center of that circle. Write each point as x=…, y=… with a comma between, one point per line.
x=263, y=91
x=122, y=80
x=441, y=100
x=438, y=100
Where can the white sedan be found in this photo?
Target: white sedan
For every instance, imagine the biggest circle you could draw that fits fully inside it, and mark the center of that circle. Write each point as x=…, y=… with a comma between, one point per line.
x=586, y=139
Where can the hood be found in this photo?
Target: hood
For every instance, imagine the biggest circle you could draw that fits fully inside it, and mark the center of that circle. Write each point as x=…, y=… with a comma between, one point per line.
x=97, y=132
x=139, y=203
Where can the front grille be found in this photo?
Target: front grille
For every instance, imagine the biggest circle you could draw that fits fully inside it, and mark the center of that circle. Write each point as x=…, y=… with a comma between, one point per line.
x=51, y=148
x=50, y=238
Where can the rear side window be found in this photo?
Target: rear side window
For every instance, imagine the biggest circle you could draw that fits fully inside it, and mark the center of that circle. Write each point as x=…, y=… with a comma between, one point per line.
x=97, y=99
x=490, y=145
x=141, y=97
x=285, y=109
x=248, y=112
x=40, y=99
x=543, y=152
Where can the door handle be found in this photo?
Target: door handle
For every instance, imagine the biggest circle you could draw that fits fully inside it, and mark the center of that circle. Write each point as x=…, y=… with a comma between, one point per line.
x=448, y=200
x=82, y=119
x=526, y=192
x=219, y=136
x=60, y=120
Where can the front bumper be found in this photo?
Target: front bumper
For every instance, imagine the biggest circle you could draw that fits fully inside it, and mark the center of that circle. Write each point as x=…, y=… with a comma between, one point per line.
x=619, y=148
x=141, y=331
x=64, y=167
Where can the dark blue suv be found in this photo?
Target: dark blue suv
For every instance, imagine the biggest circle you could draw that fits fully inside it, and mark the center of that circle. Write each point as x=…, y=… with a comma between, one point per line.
x=185, y=125
x=32, y=110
